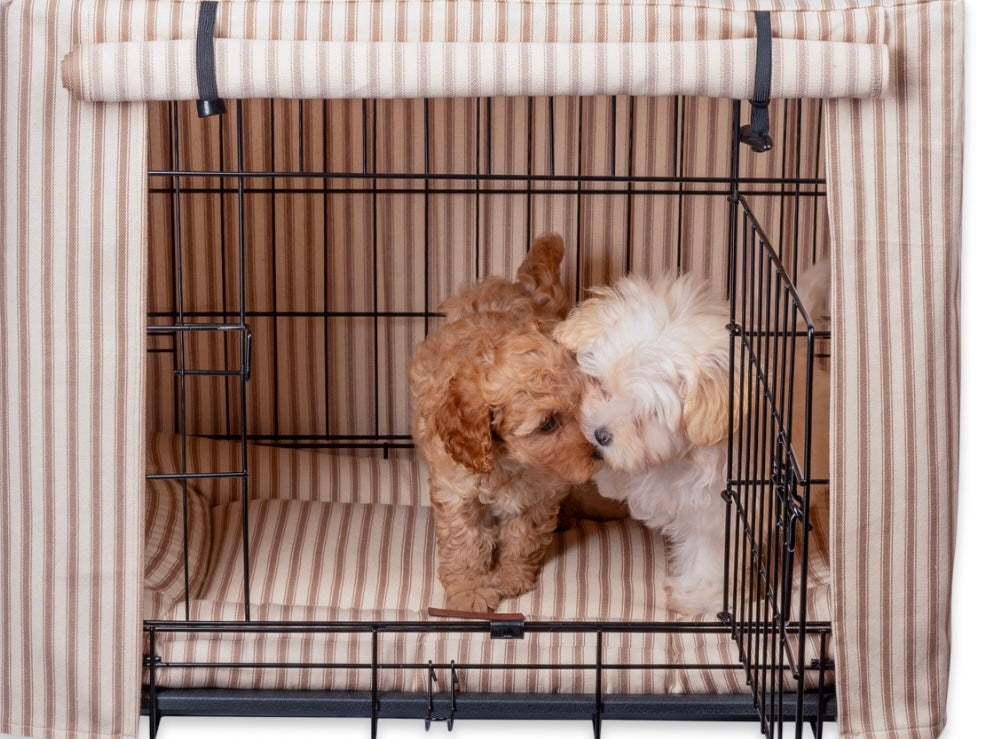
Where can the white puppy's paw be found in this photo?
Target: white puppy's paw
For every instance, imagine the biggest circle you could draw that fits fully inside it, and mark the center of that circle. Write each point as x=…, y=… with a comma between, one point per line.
x=693, y=598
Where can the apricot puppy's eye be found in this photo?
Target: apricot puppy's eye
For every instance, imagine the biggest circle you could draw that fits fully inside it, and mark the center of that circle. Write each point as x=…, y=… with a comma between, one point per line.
x=550, y=424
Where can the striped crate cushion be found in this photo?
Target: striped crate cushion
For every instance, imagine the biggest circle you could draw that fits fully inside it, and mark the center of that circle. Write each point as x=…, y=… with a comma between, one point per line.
x=164, y=541
x=336, y=555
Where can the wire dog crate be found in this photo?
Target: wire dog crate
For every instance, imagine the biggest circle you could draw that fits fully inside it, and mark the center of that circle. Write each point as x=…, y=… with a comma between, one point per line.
x=258, y=336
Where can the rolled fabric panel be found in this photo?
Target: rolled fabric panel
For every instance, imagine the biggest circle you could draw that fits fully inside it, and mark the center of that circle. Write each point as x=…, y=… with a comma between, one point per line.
x=165, y=70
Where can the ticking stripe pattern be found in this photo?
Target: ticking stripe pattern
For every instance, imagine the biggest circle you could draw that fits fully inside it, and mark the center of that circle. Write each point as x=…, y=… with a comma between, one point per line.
x=72, y=291
x=894, y=199
x=332, y=557
x=177, y=536
x=73, y=299
x=165, y=70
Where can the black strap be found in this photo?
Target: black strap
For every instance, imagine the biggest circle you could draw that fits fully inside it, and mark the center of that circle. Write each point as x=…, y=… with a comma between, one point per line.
x=757, y=132
x=209, y=102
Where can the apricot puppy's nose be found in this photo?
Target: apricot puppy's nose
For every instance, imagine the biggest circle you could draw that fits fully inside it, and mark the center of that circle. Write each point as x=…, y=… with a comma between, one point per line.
x=602, y=436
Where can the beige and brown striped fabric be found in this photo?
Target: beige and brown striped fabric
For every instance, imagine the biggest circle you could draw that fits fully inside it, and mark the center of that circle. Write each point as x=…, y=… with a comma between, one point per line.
x=351, y=553
x=166, y=70
x=71, y=384
x=72, y=291
x=894, y=200
x=292, y=474
x=170, y=556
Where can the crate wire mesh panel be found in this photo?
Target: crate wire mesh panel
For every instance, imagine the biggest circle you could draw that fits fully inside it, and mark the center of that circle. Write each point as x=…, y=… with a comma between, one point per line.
x=299, y=252
x=775, y=463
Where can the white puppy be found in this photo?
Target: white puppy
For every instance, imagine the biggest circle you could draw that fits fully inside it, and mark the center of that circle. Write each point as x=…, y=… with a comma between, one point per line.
x=658, y=412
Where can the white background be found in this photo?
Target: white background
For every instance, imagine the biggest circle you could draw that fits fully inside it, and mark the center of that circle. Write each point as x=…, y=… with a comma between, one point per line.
x=965, y=702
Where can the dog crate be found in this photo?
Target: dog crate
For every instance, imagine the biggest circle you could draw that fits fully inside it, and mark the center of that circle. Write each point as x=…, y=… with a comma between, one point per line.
x=488, y=174
x=265, y=545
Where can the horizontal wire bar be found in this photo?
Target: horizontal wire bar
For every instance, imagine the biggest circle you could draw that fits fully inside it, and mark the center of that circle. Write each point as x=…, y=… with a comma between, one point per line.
x=424, y=627
x=472, y=177
x=178, y=327
x=279, y=314
x=185, y=665
x=195, y=475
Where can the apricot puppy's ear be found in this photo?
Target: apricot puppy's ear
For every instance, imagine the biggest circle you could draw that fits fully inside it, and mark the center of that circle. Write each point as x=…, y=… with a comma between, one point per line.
x=541, y=268
x=706, y=408
x=540, y=274
x=462, y=422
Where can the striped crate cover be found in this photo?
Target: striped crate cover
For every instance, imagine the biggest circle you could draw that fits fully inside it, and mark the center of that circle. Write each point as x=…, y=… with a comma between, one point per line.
x=73, y=259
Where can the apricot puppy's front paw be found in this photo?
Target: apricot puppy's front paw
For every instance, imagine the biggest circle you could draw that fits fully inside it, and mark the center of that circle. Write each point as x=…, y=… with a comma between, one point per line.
x=478, y=600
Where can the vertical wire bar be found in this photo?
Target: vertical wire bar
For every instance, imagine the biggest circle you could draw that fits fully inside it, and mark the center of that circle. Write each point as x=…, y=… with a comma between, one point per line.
x=326, y=269
x=630, y=142
x=528, y=229
x=376, y=273
x=579, y=196
x=775, y=517
x=597, y=711
x=552, y=141
x=746, y=455
x=764, y=493
x=822, y=694
x=787, y=373
x=224, y=276
x=489, y=156
x=375, y=690
x=784, y=150
x=808, y=411
x=817, y=175
x=773, y=504
x=759, y=463
x=300, y=135
x=153, y=714
x=733, y=225
x=275, y=338
x=427, y=215
x=489, y=118
x=477, y=211
x=177, y=247
x=680, y=125
x=795, y=271
x=241, y=244
x=613, y=115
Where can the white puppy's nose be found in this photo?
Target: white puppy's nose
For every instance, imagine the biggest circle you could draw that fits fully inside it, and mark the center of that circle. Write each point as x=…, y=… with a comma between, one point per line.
x=602, y=436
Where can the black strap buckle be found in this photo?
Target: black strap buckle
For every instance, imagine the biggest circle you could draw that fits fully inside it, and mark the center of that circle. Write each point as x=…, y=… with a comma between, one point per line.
x=209, y=102
x=757, y=132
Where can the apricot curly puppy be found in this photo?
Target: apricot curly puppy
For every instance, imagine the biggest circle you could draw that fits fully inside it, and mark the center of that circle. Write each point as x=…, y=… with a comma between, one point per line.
x=495, y=403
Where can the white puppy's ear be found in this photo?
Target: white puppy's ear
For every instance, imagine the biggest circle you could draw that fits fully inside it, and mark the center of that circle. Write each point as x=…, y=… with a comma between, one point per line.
x=706, y=407
x=582, y=327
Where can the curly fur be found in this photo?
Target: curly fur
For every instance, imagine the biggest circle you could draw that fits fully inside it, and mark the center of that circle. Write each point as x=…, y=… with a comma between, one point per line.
x=658, y=412
x=495, y=413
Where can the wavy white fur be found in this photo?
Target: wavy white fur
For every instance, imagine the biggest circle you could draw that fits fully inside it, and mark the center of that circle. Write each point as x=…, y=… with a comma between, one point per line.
x=659, y=416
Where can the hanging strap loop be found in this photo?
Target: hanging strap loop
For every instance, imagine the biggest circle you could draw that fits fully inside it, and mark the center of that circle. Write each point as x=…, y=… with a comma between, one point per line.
x=757, y=132
x=209, y=102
